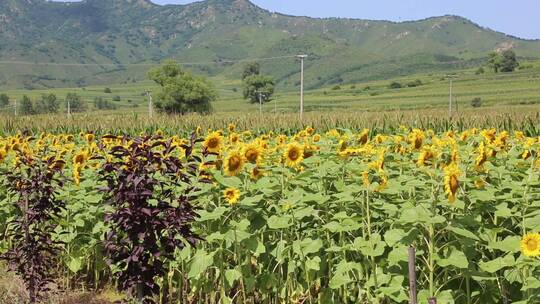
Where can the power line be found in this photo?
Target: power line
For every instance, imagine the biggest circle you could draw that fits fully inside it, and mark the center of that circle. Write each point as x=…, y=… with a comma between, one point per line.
x=142, y=64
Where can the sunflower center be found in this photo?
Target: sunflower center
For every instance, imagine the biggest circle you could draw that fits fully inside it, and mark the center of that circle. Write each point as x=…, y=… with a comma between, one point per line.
x=532, y=245
x=234, y=163
x=252, y=155
x=293, y=154
x=213, y=143
x=454, y=183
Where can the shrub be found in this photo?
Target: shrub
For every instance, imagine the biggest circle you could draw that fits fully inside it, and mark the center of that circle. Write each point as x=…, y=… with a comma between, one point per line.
x=107, y=91
x=149, y=221
x=476, y=102
x=415, y=83
x=336, y=88
x=32, y=253
x=395, y=85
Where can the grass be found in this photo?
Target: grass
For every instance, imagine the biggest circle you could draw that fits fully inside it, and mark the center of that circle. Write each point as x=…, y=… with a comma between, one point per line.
x=496, y=91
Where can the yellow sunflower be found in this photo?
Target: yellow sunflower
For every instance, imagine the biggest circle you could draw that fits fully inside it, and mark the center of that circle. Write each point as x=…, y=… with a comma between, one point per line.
x=316, y=138
x=293, y=155
x=363, y=137
x=253, y=153
x=233, y=164
x=80, y=158
x=530, y=244
x=213, y=142
x=231, y=195
x=256, y=173
x=451, y=181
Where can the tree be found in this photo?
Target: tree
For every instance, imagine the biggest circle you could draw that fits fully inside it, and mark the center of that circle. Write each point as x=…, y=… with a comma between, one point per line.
x=181, y=92
x=509, y=61
x=494, y=61
x=258, y=86
x=75, y=102
x=27, y=108
x=107, y=90
x=250, y=69
x=4, y=100
x=47, y=104
x=476, y=102
x=395, y=85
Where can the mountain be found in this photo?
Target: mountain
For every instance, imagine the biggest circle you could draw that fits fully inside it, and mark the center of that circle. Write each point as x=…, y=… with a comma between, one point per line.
x=122, y=36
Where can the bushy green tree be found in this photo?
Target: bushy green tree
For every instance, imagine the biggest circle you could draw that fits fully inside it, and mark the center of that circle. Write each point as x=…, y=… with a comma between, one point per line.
x=509, y=62
x=494, y=61
x=250, y=69
x=181, y=92
x=27, y=107
x=47, y=104
x=258, y=86
x=395, y=85
x=76, y=103
x=4, y=100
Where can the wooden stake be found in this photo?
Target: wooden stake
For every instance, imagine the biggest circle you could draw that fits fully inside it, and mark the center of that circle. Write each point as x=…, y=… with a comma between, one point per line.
x=412, y=276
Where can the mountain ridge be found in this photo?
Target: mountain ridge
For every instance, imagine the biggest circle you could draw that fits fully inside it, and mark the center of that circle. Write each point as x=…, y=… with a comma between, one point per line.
x=140, y=31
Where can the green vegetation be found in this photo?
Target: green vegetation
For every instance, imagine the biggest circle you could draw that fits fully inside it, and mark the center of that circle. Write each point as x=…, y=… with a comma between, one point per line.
x=181, y=92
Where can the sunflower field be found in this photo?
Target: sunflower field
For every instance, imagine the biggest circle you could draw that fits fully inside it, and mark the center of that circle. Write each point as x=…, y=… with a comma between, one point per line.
x=230, y=216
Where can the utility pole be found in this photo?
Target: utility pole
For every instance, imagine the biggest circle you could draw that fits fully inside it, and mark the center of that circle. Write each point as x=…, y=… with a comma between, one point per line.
x=302, y=57
x=68, y=108
x=260, y=103
x=15, y=106
x=150, y=108
x=451, y=77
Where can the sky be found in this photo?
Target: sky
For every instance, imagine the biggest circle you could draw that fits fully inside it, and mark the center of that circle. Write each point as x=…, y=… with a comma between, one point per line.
x=515, y=17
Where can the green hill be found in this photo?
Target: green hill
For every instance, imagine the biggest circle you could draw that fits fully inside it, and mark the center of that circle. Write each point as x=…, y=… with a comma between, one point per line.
x=123, y=36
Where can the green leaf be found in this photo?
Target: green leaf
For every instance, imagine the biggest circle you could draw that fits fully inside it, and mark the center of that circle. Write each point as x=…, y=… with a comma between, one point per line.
x=463, y=232
x=497, y=264
x=313, y=264
x=212, y=215
x=279, y=222
x=232, y=275
x=75, y=265
x=339, y=280
x=201, y=261
x=393, y=236
x=509, y=244
x=455, y=258
x=311, y=246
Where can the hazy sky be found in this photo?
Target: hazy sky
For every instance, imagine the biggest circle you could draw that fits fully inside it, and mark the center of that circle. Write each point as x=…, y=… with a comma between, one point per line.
x=516, y=17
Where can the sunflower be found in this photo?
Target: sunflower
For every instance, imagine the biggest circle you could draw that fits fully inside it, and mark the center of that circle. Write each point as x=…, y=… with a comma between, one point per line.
x=416, y=138
x=530, y=245
x=231, y=195
x=427, y=155
x=77, y=174
x=316, y=138
x=3, y=154
x=233, y=164
x=451, y=181
x=80, y=158
x=256, y=173
x=483, y=154
x=234, y=138
x=364, y=137
x=479, y=183
x=310, y=130
x=253, y=153
x=294, y=154
x=232, y=127
x=213, y=142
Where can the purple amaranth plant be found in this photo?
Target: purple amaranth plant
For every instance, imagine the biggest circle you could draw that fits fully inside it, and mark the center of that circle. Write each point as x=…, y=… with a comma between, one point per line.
x=150, y=187
x=32, y=254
